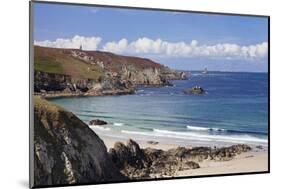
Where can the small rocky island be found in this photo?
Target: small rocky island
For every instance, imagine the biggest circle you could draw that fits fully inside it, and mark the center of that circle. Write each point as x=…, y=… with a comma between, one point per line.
x=195, y=90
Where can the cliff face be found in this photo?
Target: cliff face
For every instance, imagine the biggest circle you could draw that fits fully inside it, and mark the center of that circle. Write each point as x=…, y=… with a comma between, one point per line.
x=66, y=150
x=68, y=72
x=60, y=85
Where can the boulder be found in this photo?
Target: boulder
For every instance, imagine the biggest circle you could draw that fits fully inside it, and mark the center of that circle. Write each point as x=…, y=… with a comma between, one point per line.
x=130, y=154
x=152, y=142
x=97, y=122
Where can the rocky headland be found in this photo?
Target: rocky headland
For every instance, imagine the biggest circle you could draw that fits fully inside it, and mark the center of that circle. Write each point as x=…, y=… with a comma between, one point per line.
x=73, y=72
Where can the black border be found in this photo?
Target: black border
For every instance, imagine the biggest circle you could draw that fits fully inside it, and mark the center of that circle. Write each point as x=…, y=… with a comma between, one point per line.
x=31, y=184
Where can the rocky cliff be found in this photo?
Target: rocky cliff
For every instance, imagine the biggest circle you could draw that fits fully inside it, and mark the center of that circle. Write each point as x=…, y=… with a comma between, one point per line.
x=66, y=150
x=60, y=85
x=72, y=72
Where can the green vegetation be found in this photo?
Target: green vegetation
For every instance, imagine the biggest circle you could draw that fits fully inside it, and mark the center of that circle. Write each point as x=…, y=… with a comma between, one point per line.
x=47, y=65
x=58, y=61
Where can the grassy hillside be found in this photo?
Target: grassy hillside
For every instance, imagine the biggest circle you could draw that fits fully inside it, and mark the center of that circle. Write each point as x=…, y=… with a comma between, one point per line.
x=85, y=64
x=59, y=61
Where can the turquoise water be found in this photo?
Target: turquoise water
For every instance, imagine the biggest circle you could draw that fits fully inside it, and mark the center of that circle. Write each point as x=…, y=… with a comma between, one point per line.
x=234, y=110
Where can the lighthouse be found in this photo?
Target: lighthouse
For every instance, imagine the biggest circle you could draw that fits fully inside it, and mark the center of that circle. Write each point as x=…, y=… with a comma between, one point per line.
x=80, y=48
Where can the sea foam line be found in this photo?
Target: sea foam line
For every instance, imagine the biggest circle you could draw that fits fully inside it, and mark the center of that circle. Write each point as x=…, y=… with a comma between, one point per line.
x=195, y=128
x=197, y=136
x=118, y=124
x=246, y=138
x=99, y=127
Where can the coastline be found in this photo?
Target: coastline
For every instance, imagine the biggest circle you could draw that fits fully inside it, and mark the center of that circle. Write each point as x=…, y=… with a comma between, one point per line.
x=157, y=152
x=130, y=159
x=255, y=160
x=111, y=135
x=52, y=95
x=113, y=92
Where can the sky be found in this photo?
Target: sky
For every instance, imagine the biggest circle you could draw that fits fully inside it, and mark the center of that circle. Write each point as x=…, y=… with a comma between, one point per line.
x=180, y=40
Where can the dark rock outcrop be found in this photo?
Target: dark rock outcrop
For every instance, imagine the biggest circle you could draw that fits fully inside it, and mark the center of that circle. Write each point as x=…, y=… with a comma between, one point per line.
x=66, y=150
x=130, y=154
x=97, y=122
x=194, y=90
x=199, y=154
x=138, y=163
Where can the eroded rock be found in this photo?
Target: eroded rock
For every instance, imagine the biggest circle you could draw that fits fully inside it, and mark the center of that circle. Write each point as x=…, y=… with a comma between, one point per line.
x=66, y=150
x=138, y=163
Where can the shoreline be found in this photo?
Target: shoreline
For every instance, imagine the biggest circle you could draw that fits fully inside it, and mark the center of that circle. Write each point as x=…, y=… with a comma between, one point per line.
x=255, y=160
x=165, y=142
x=144, y=143
x=115, y=92
x=74, y=95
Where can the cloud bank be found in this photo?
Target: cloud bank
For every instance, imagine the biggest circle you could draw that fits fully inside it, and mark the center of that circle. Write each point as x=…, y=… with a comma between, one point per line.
x=183, y=49
x=88, y=43
x=147, y=46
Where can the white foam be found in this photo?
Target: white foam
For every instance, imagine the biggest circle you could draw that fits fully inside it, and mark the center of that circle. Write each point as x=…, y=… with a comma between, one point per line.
x=197, y=128
x=199, y=136
x=234, y=138
x=118, y=124
x=217, y=129
x=99, y=127
x=135, y=132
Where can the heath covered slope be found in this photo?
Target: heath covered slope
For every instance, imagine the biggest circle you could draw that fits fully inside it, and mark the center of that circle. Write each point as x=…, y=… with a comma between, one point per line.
x=66, y=150
x=70, y=72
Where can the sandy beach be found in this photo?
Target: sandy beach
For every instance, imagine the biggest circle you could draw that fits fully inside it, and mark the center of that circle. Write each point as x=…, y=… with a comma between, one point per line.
x=246, y=162
x=254, y=161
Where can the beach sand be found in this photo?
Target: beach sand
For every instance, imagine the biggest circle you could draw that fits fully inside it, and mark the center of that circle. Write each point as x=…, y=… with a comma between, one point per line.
x=254, y=161
x=243, y=163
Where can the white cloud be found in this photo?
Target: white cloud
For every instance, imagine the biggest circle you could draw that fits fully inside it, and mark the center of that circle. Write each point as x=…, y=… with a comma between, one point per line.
x=147, y=46
x=182, y=49
x=88, y=43
x=117, y=47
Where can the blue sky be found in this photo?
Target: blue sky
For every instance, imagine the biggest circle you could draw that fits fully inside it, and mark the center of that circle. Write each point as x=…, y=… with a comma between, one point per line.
x=175, y=32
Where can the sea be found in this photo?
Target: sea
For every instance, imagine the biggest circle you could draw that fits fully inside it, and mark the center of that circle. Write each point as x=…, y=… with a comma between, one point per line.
x=233, y=110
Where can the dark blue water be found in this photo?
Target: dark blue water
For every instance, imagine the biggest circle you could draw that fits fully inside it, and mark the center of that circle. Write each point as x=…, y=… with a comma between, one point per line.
x=234, y=109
